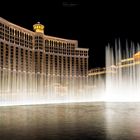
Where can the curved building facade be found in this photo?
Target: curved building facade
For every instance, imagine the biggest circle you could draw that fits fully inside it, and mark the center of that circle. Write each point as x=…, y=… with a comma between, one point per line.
x=35, y=62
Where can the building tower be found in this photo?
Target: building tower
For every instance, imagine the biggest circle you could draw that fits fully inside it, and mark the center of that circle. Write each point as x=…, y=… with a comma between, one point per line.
x=39, y=56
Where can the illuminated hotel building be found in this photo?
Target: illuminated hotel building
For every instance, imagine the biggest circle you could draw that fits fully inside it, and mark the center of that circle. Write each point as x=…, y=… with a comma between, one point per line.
x=52, y=60
x=129, y=62
x=97, y=76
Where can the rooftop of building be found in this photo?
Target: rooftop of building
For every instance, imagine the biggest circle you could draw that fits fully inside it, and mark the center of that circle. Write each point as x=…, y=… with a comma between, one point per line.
x=45, y=36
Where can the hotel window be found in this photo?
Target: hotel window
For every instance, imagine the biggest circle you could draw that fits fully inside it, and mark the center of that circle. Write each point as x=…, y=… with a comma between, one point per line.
x=54, y=43
x=6, y=33
x=30, y=38
x=16, y=37
x=41, y=61
x=30, y=42
x=1, y=54
x=50, y=44
x=30, y=61
x=12, y=57
x=46, y=43
x=21, y=58
x=51, y=64
x=21, y=35
x=46, y=63
x=36, y=61
x=1, y=31
x=11, y=32
x=26, y=59
x=60, y=44
x=6, y=55
x=17, y=57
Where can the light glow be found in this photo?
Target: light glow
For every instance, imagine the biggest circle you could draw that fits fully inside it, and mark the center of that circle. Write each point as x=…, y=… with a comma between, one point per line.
x=124, y=86
x=118, y=82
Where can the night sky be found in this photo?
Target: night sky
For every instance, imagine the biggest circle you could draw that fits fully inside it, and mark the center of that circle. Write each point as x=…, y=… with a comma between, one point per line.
x=94, y=25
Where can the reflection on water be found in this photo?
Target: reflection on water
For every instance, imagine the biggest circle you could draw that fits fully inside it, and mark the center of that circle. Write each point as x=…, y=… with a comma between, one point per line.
x=111, y=121
x=123, y=121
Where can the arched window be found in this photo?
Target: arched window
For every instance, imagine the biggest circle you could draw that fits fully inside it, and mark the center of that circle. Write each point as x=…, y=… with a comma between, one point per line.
x=46, y=42
x=59, y=44
x=52, y=43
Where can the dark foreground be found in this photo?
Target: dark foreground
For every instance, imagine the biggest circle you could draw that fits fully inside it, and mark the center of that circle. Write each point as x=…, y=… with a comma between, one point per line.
x=80, y=121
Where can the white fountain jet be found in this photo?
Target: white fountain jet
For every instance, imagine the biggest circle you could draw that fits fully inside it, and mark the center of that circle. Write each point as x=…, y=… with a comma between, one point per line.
x=123, y=83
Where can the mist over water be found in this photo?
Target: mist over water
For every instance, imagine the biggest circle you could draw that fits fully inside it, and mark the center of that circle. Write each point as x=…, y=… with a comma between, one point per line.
x=119, y=80
x=99, y=117
x=119, y=83
x=123, y=82
x=22, y=88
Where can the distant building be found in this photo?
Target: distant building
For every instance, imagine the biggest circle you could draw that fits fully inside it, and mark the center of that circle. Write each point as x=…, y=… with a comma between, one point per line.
x=129, y=62
x=97, y=76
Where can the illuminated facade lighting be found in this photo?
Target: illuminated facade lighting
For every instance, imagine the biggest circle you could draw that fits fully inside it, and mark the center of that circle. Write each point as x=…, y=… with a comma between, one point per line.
x=35, y=61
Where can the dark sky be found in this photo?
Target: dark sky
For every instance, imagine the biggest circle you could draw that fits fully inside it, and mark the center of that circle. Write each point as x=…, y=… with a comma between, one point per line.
x=94, y=25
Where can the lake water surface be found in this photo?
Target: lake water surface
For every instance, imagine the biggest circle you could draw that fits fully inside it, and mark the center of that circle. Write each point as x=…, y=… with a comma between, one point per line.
x=75, y=121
